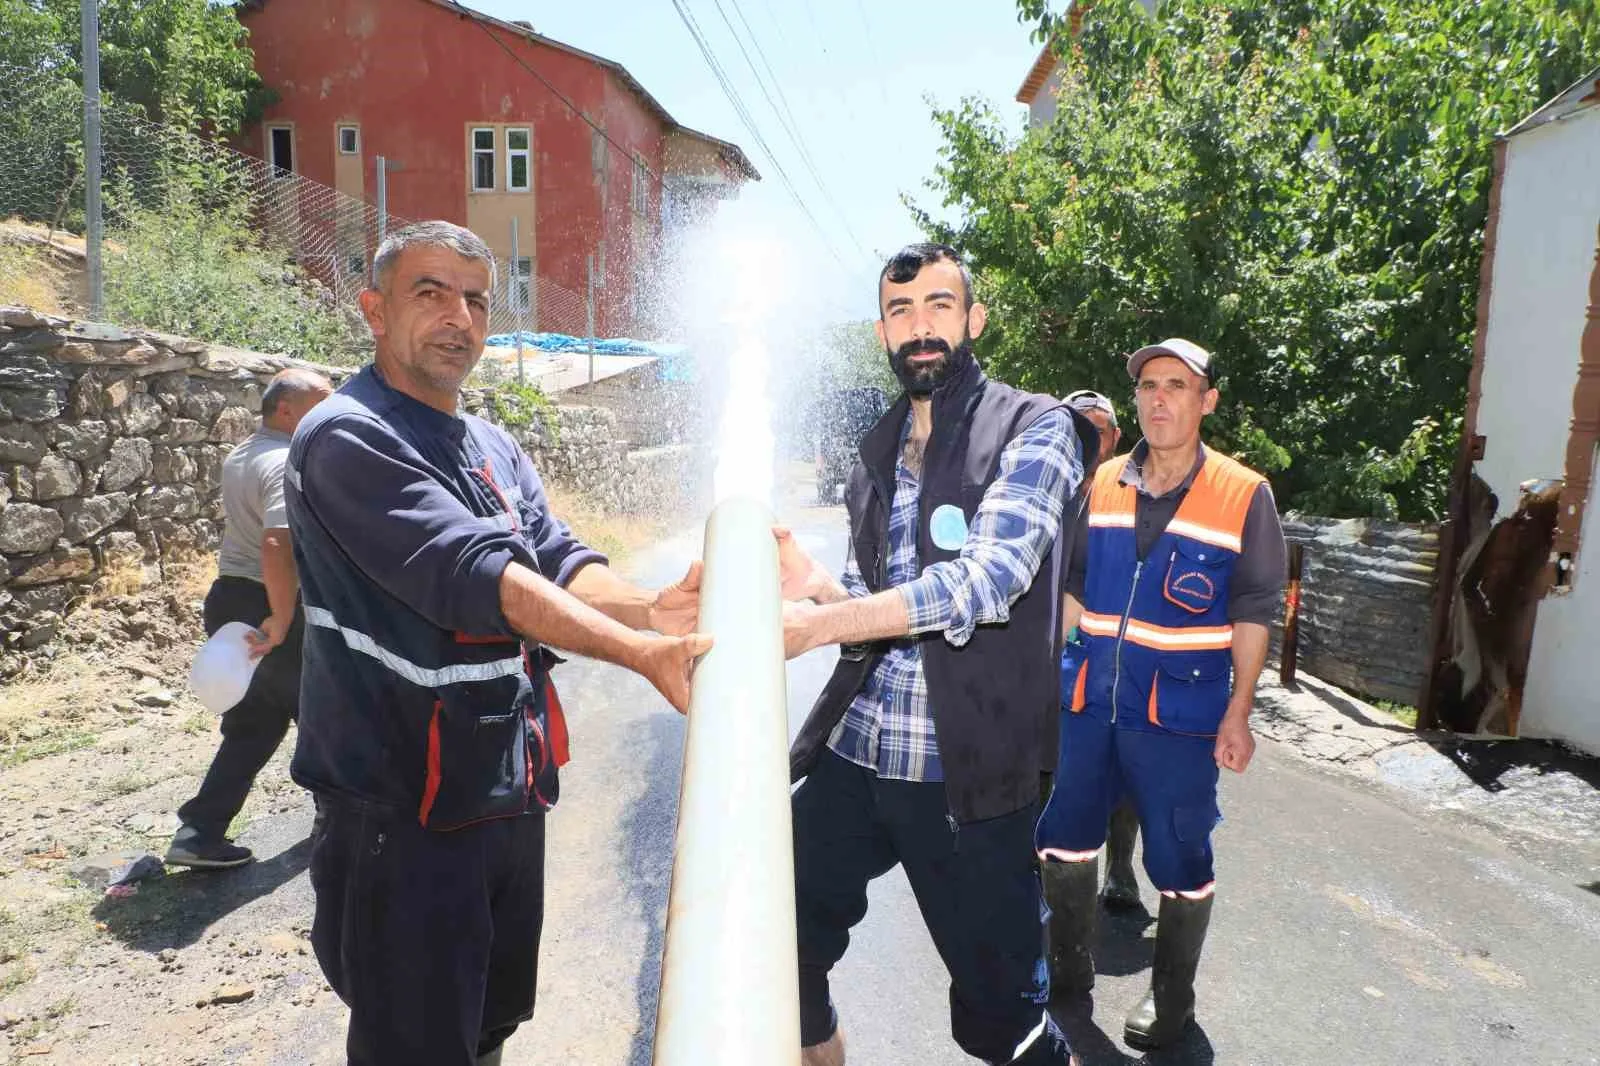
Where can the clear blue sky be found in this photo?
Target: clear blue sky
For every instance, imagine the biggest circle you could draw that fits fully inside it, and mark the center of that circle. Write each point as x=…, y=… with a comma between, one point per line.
x=856, y=76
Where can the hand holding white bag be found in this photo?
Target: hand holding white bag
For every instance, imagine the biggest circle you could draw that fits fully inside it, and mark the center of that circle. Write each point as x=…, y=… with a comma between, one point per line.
x=223, y=668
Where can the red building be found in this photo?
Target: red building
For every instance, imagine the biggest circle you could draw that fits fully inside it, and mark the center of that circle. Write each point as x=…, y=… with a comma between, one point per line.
x=490, y=125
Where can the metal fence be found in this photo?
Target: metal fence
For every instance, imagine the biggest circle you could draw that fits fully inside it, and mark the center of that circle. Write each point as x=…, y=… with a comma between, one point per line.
x=169, y=195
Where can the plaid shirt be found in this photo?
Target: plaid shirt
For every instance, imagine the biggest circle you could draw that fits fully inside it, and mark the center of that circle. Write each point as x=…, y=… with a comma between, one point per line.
x=888, y=727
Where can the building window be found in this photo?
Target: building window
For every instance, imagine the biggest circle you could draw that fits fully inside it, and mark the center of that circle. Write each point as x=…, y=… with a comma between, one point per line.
x=641, y=186
x=355, y=263
x=482, y=160
x=599, y=150
x=349, y=140
x=280, y=150
x=518, y=143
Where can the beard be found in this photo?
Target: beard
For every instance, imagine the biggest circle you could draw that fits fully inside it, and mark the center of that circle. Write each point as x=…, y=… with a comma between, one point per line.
x=922, y=379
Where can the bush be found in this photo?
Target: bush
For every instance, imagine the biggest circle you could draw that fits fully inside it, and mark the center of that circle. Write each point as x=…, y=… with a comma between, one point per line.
x=203, y=274
x=514, y=405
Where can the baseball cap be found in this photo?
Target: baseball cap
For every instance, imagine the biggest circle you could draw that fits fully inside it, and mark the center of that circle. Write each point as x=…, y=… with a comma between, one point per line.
x=1086, y=400
x=1194, y=357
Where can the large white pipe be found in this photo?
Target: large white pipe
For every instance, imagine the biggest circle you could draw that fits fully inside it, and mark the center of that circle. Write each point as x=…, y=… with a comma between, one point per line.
x=729, y=988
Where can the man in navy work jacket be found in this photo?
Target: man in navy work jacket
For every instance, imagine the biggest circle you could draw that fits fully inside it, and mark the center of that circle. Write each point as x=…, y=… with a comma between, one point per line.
x=432, y=572
x=925, y=747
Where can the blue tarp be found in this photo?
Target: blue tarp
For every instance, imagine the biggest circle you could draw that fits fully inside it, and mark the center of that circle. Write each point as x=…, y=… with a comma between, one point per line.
x=675, y=363
x=560, y=342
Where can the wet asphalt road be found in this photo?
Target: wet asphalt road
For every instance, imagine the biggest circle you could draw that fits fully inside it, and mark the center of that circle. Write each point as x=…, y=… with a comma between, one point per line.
x=1372, y=920
x=1347, y=929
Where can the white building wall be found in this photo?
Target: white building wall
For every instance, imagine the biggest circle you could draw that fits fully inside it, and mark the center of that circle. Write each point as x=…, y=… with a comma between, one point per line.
x=1042, y=111
x=1562, y=699
x=1544, y=258
x=1544, y=254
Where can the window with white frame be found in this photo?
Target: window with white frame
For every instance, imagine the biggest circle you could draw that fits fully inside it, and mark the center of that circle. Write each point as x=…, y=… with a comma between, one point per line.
x=519, y=174
x=483, y=159
x=280, y=150
x=349, y=140
x=641, y=185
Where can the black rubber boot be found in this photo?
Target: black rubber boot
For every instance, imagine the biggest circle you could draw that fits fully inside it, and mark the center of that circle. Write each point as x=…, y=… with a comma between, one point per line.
x=1121, y=891
x=1165, y=1010
x=1069, y=893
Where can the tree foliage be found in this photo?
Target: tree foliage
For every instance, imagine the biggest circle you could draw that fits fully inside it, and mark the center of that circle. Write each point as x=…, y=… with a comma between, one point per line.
x=1300, y=186
x=184, y=62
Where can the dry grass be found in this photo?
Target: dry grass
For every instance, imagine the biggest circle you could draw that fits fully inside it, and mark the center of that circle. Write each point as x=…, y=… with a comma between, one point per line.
x=28, y=278
x=40, y=269
x=618, y=536
x=186, y=573
x=122, y=577
x=45, y=715
x=189, y=574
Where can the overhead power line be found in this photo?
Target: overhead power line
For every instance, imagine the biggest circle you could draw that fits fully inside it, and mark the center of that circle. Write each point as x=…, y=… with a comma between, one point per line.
x=559, y=95
x=749, y=123
x=790, y=126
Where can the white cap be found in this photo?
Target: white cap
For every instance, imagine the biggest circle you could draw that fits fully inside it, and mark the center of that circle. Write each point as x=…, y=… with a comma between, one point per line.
x=1194, y=357
x=223, y=668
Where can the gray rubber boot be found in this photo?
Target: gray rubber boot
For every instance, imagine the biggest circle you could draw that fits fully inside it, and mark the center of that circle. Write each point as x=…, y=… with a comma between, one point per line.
x=1121, y=891
x=1164, y=1012
x=1069, y=893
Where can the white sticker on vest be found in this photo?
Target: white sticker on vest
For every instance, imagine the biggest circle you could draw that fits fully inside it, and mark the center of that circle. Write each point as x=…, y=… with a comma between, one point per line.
x=948, y=527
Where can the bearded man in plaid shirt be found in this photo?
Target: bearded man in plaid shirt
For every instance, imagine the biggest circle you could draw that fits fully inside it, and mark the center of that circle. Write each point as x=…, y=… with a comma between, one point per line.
x=925, y=747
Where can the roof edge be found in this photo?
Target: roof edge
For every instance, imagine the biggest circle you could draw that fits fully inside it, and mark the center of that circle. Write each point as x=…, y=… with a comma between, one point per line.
x=1564, y=103
x=737, y=157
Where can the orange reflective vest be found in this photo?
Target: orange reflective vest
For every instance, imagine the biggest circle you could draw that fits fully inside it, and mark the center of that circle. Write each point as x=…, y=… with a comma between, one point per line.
x=1157, y=636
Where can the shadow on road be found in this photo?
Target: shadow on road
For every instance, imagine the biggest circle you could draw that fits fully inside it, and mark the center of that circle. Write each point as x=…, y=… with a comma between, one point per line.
x=172, y=912
x=1485, y=762
x=1094, y=1047
x=1121, y=948
x=652, y=820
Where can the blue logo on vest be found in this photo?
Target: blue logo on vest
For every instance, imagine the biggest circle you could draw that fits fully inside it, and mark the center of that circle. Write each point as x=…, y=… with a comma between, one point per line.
x=948, y=527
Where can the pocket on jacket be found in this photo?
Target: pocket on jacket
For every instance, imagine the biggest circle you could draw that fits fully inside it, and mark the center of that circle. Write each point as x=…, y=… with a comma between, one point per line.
x=1190, y=691
x=478, y=766
x=1197, y=578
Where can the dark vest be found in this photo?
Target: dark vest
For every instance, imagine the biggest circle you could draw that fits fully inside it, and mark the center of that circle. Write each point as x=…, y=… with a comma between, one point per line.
x=994, y=700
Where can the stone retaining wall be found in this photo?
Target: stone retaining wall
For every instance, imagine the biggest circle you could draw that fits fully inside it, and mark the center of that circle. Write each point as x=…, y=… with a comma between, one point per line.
x=111, y=450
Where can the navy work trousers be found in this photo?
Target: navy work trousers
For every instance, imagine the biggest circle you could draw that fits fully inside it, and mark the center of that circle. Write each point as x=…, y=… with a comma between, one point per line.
x=976, y=885
x=431, y=938
x=1171, y=778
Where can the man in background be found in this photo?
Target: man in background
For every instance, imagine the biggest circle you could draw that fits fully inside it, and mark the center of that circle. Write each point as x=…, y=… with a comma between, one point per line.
x=256, y=584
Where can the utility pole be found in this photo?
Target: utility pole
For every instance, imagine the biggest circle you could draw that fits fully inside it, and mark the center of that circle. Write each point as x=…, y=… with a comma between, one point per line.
x=94, y=222
x=384, y=166
x=589, y=316
x=514, y=290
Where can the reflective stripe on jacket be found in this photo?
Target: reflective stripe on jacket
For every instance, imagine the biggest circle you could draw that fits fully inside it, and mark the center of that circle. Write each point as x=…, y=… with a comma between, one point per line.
x=1159, y=643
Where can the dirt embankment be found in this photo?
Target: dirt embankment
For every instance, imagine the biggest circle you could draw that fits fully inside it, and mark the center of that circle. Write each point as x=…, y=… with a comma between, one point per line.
x=100, y=742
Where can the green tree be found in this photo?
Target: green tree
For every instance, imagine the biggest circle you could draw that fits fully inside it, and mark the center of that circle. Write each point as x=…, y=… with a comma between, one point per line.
x=184, y=62
x=1300, y=186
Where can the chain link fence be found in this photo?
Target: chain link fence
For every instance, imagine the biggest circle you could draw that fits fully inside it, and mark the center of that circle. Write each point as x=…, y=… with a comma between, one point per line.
x=207, y=242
